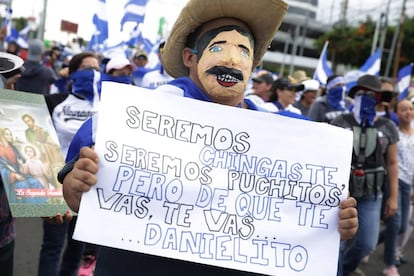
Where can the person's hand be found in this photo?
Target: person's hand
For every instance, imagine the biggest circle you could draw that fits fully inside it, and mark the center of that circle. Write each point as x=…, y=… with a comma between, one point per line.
x=9, y=83
x=64, y=72
x=19, y=177
x=348, y=218
x=81, y=178
x=391, y=207
x=59, y=219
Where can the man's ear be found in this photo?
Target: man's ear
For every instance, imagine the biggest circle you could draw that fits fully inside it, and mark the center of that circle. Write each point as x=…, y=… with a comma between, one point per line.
x=189, y=58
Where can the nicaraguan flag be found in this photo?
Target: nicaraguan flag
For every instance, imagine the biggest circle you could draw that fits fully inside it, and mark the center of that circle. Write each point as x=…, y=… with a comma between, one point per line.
x=100, y=20
x=371, y=67
x=404, y=80
x=373, y=64
x=11, y=33
x=323, y=71
x=134, y=12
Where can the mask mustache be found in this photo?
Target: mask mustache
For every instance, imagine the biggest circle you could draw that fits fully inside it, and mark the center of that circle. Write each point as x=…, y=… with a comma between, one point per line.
x=222, y=70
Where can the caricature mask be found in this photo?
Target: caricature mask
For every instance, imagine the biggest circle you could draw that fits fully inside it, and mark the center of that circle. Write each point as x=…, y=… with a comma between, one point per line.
x=224, y=62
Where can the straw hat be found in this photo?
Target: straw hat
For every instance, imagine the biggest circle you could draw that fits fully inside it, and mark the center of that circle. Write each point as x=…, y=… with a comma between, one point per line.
x=263, y=17
x=300, y=76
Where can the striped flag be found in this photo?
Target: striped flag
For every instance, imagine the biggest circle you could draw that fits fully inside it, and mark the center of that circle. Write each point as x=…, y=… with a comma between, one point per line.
x=372, y=66
x=11, y=34
x=323, y=71
x=134, y=12
x=404, y=80
x=100, y=20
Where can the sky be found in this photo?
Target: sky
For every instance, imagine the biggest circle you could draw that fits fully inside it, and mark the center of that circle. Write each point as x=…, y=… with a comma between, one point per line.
x=81, y=12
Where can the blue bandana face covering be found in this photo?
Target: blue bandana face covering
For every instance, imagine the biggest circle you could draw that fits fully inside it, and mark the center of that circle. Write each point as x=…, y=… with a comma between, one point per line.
x=364, y=110
x=336, y=97
x=85, y=84
x=119, y=79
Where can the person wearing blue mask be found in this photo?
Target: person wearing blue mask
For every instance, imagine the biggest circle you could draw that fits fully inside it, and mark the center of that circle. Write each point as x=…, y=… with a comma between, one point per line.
x=118, y=69
x=68, y=112
x=374, y=164
x=334, y=103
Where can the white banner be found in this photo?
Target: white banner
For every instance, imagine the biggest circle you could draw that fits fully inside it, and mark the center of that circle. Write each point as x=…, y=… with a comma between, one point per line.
x=215, y=184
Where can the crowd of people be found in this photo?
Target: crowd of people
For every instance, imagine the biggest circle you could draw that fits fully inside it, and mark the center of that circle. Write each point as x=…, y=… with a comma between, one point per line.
x=210, y=55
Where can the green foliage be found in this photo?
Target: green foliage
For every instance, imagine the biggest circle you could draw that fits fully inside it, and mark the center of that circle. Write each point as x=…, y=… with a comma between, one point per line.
x=351, y=45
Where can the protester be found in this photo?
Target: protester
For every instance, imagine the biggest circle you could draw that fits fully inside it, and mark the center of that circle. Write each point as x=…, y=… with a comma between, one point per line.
x=68, y=112
x=334, y=103
x=261, y=88
x=389, y=234
x=140, y=61
x=374, y=158
x=13, y=48
x=8, y=63
x=214, y=72
x=36, y=77
x=118, y=69
x=283, y=94
x=306, y=97
x=385, y=107
x=405, y=112
x=157, y=77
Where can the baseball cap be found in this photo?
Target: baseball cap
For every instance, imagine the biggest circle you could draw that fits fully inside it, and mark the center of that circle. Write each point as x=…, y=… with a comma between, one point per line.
x=267, y=78
x=286, y=83
x=35, y=50
x=310, y=85
x=117, y=63
x=140, y=54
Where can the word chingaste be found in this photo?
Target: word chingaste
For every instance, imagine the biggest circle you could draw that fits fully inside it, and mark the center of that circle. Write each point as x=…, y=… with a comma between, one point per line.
x=186, y=131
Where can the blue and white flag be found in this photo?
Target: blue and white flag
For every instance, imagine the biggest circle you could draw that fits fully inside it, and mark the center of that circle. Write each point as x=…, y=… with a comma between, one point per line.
x=404, y=80
x=371, y=67
x=20, y=37
x=134, y=12
x=373, y=64
x=323, y=71
x=100, y=20
x=11, y=33
x=7, y=17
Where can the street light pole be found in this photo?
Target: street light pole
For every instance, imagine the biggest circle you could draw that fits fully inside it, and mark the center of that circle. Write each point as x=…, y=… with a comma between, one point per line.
x=41, y=29
x=400, y=38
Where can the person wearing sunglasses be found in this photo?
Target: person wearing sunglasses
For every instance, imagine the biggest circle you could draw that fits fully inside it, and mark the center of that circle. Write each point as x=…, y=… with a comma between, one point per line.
x=374, y=167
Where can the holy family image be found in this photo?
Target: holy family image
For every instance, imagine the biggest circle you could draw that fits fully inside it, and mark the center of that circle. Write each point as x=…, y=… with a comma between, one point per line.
x=30, y=155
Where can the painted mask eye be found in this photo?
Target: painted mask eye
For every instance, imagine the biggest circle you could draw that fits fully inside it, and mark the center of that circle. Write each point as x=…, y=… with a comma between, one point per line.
x=216, y=48
x=245, y=53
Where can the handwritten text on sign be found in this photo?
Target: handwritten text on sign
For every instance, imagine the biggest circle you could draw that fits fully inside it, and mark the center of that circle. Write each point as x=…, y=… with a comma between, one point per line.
x=215, y=184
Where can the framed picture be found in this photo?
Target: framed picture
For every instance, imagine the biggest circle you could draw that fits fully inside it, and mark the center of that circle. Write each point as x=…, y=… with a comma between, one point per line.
x=30, y=156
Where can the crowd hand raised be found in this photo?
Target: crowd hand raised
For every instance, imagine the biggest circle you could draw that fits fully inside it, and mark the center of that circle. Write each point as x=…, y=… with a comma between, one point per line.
x=59, y=219
x=348, y=218
x=81, y=178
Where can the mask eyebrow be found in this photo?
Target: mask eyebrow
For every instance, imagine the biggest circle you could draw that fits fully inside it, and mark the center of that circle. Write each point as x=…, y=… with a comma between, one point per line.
x=218, y=42
x=244, y=47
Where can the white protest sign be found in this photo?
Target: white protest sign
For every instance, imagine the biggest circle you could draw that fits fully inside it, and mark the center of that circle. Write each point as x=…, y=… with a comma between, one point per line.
x=215, y=184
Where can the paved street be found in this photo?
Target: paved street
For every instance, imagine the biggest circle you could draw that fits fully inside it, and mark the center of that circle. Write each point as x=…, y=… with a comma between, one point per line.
x=29, y=234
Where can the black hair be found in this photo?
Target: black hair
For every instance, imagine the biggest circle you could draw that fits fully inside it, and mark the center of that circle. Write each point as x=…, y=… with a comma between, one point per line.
x=273, y=94
x=199, y=42
x=332, y=77
x=76, y=61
